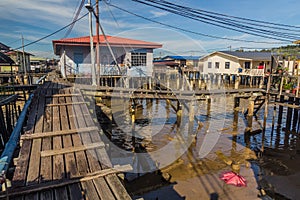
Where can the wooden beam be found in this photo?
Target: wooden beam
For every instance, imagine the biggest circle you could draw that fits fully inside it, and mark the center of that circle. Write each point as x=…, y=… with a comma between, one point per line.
x=62, y=95
x=60, y=183
x=72, y=149
x=66, y=104
x=288, y=105
x=58, y=133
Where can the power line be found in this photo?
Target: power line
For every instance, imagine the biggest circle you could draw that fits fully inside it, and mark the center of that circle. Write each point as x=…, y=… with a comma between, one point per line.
x=193, y=32
x=167, y=6
x=74, y=19
x=53, y=33
x=231, y=22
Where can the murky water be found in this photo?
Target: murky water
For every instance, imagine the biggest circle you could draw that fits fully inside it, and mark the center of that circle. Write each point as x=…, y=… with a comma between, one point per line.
x=215, y=145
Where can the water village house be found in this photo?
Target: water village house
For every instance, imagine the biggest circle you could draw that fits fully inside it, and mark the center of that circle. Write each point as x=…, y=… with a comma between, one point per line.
x=17, y=57
x=170, y=64
x=135, y=57
x=234, y=62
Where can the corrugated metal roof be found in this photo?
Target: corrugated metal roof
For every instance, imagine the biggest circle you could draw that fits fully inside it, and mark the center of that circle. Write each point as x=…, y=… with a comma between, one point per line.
x=249, y=55
x=183, y=57
x=113, y=41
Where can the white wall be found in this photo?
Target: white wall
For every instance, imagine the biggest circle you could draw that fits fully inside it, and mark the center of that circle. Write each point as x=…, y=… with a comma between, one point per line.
x=105, y=58
x=234, y=64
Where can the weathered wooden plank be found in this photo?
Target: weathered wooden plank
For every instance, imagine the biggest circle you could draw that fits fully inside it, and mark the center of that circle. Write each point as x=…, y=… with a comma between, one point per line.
x=117, y=188
x=46, y=164
x=82, y=164
x=72, y=149
x=90, y=192
x=59, y=183
x=115, y=185
x=61, y=95
x=33, y=175
x=70, y=161
x=90, y=155
x=58, y=133
x=19, y=178
x=288, y=105
x=58, y=160
x=65, y=104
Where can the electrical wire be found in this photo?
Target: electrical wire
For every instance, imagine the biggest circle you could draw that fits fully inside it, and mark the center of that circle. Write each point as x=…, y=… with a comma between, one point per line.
x=228, y=21
x=193, y=32
x=223, y=24
x=74, y=19
x=53, y=33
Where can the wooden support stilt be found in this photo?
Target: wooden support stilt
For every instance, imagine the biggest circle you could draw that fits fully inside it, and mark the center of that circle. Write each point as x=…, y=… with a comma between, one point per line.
x=236, y=112
x=289, y=114
x=179, y=113
x=250, y=114
x=296, y=115
x=191, y=117
x=280, y=110
x=208, y=106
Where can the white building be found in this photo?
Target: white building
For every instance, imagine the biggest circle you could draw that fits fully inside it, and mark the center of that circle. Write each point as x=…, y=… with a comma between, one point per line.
x=233, y=62
x=134, y=57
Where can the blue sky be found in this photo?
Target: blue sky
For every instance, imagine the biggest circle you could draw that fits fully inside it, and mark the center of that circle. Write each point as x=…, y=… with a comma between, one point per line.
x=36, y=18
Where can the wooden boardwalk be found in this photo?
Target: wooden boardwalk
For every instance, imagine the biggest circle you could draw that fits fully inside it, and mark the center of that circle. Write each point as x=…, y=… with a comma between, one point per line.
x=60, y=152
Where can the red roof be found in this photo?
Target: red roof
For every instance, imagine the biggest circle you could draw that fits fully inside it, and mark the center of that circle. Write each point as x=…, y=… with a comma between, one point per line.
x=113, y=41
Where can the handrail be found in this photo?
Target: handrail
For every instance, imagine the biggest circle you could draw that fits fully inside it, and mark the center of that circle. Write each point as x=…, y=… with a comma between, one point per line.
x=11, y=145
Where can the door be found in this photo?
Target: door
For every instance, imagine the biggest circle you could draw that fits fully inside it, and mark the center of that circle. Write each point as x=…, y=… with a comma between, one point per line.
x=78, y=59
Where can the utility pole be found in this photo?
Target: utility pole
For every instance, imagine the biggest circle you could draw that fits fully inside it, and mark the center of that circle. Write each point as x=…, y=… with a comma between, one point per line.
x=24, y=61
x=98, y=42
x=92, y=47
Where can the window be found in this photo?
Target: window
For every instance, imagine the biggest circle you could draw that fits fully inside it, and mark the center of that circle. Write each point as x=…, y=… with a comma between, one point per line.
x=209, y=65
x=217, y=65
x=227, y=65
x=138, y=59
x=247, y=65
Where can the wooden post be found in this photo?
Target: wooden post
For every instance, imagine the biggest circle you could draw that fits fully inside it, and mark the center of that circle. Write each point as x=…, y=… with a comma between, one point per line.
x=280, y=110
x=179, y=113
x=281, y=85
x=289, y=114
x=133, y=126
x=250, y=114
x=266, y=111
x=236, y=112
x=298, y=82
x=191, y=116
x=237, y=82
x=150, y=83
x=208, y=106
x=295, y=117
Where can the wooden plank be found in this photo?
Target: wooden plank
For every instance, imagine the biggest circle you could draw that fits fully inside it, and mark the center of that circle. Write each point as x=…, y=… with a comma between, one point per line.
x=69, y=156
x=90, y=155
x=61, y=95
x=58, y=133
x=70, y=161
x=72, y=149
x=82, y=166
x=288, y=105
x=34, y=162
x=65, y=104
x=46, y=164
x=58, y=160
x=19, y=178
x=115, y=185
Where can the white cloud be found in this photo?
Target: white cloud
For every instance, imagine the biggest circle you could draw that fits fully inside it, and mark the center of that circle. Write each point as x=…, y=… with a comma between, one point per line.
x=158, y=13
